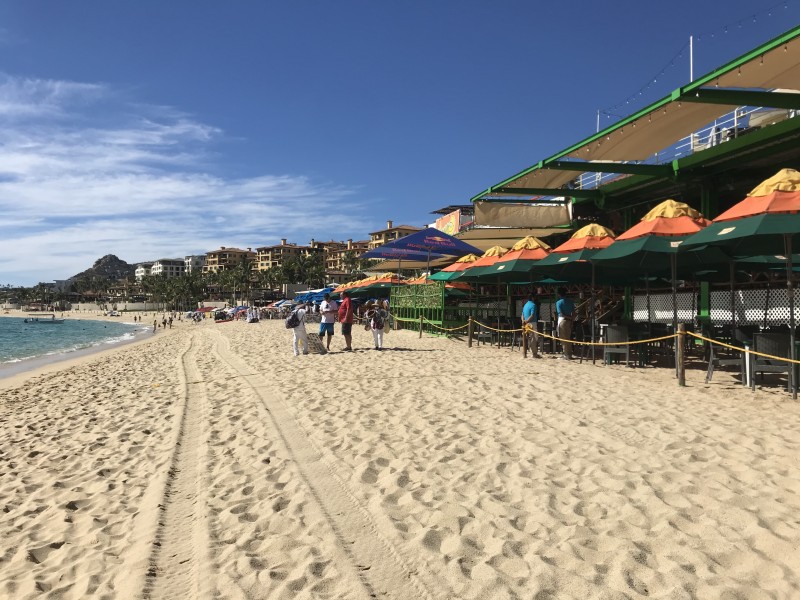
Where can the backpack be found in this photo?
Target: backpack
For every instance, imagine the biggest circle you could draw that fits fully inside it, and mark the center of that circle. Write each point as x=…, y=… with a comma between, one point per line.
x=293, y=320
x=377, y=320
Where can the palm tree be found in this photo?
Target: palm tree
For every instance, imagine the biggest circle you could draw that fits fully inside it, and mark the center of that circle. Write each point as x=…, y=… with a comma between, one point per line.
x=268, y=279
x=350, y=261
x=241, y=279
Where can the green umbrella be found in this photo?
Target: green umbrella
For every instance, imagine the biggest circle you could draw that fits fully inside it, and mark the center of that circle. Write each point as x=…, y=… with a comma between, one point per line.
x=577, y=267
x=655, y=254
x=445, y=275
x=454, y=270
x=511, y=266
x=753, y=236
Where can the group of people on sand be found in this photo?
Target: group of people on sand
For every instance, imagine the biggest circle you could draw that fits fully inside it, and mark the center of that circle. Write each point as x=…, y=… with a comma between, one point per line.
x=373, y=315
x=565, y=311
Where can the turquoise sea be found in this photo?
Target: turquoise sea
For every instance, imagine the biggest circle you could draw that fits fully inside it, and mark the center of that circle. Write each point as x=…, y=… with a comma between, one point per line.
x=21, y=341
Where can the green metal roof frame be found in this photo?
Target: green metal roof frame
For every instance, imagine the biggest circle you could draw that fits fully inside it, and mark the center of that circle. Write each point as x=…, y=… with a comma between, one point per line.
x=695, y=92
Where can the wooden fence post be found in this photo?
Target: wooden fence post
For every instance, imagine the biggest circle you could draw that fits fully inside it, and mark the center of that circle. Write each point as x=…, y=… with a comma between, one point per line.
x=679, y=359
x=470, y=328
x=420, y=326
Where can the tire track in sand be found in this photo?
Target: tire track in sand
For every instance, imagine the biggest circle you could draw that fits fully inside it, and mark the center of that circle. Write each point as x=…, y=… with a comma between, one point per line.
x=380, y=568
x=179, y=562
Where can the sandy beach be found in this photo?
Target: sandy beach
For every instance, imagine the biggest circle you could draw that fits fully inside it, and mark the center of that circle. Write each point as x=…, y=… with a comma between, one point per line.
x=208, y=462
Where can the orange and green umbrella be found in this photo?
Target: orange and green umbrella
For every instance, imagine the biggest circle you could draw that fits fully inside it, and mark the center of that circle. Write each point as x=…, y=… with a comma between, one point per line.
x=762, y=223
x=651, y=246
x=452, y=271
x=477, y=269
x=570, y=260
x=515, y=265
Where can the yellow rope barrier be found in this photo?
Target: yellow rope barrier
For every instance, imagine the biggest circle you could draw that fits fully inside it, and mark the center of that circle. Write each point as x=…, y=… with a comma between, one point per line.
x=402, y=320
x=528, y=329
x=431, y=323
x=444, y=328
x=498, y=330
x=746, y=350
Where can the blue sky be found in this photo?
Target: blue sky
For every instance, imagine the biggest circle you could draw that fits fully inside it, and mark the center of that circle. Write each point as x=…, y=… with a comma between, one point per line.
x=155, y=129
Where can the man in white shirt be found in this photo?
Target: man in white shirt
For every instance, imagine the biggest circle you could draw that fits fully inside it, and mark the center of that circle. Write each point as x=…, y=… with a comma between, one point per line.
x=328, y=309
x=300, y=337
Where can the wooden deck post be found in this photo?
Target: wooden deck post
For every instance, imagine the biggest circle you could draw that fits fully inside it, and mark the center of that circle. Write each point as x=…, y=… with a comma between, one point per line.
x=420, y=326
x=470, y=327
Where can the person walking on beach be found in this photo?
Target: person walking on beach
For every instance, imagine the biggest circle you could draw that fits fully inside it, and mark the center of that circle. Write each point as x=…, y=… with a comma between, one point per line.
x=565, y=308
x=327, y=309
x=346, y=319
x=155, y=325
x=376, y=321
x=530, y=317
x=299, y=335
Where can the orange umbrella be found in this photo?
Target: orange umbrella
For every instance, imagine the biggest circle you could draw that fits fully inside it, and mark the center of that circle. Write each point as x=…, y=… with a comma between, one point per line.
x=454, y=270
x=476, y=268
x=422, y=279
x=491, y=256
x=778, y=194
x=590, y=237
x=455, y=285
x=528, y=248
x=667, y=219
x=461, y=264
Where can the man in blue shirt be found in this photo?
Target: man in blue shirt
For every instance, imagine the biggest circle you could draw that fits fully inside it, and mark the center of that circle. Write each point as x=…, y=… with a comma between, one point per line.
x=565, y=308
x=530, y=315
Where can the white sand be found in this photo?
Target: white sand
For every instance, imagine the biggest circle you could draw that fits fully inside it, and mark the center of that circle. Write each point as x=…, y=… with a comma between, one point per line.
x=208, y=462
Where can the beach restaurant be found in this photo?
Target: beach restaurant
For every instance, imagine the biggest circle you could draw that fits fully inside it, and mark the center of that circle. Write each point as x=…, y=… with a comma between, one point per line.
x=649, y=183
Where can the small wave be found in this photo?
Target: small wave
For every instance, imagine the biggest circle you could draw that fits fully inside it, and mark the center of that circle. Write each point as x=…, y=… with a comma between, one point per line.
x=122, y=338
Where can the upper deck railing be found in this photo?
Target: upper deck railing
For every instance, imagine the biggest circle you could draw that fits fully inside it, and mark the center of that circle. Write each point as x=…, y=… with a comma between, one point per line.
x=733, y=125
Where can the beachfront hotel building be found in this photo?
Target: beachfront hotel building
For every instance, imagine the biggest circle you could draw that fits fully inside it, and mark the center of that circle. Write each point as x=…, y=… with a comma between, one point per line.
x=268, y=257
x=168, y=267
x=142, y=270
x=226, y=258
x=391, y=233
x=335, y=252
x=336, y=257
x=194, y=262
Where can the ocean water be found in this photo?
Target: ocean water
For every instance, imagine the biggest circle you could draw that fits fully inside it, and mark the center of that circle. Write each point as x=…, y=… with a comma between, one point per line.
x=20, y=341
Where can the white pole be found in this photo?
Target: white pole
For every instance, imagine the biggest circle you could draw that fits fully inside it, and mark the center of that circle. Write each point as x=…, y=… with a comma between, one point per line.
x=598, y=121
x=691, y=58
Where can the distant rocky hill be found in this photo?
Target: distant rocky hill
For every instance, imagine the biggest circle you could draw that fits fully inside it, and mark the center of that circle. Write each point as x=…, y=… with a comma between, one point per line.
x=109, y=267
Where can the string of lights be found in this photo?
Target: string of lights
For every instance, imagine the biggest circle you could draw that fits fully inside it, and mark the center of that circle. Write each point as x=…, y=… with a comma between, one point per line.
x=612, y=112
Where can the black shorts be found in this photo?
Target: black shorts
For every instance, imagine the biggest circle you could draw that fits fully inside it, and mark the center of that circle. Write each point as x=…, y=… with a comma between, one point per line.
x=347, y=328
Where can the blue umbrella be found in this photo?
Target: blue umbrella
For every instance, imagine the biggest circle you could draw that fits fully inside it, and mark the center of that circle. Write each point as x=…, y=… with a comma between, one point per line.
x=389, y=253
x=431, y=241
x=424, y=244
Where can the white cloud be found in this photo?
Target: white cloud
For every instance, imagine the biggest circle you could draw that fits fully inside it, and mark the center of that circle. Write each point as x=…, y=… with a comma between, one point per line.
x=25, y=98
x=72, y=191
